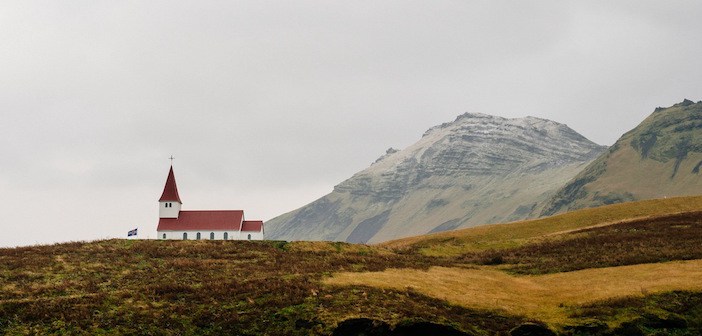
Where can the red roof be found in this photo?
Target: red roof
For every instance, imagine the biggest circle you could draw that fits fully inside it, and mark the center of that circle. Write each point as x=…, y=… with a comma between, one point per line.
x=220, y=220
x=256, y=226
x=170, y=191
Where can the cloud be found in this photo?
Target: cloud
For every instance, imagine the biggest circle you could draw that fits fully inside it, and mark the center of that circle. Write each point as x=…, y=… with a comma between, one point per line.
x=290, y=98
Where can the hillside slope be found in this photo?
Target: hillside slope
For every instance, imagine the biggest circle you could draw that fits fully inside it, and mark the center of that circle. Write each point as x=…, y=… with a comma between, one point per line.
x=575, y=274
x=661, y=157
x=478, y=169
x=610, y=268
x=510, y=235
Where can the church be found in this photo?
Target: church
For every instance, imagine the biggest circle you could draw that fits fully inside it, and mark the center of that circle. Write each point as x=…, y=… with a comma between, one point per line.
x=174, y=223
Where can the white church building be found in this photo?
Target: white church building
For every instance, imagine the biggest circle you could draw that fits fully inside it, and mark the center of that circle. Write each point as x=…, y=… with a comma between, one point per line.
x=174, y=223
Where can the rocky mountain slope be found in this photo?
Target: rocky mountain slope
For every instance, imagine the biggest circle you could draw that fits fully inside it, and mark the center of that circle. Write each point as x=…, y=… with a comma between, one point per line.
x=478, y=169
x=659, y=158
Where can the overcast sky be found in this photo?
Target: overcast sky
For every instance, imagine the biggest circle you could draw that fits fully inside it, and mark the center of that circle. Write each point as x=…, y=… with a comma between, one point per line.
x=266, y=105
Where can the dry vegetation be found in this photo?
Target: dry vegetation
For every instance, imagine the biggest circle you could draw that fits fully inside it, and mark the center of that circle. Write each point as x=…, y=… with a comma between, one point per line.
x=483, y=281
x=545, y=297
x=660, y=239
x=207, y=287
x=499, y=236
x=643, y=234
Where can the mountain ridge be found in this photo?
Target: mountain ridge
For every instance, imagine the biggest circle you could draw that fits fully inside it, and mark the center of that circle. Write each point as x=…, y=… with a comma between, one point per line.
x=446, y=180
x=660, y=157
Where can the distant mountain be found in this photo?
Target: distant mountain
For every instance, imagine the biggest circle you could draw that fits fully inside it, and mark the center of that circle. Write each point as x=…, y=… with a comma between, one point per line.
x=659, y=158
x=478, y=169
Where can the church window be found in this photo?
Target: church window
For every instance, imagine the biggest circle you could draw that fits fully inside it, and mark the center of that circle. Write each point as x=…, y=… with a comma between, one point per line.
x=198, y=236
x=185, y=236
x=211, y=235
x=164, y=236
x=226, y=235
x=249, y=236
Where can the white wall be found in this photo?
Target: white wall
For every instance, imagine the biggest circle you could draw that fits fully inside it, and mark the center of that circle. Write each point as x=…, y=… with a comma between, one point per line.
x=170, y=212
x=254, y=235
x=205, y=235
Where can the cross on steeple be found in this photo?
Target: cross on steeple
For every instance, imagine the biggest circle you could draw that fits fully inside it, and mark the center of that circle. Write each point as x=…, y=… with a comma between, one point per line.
x=171, y=158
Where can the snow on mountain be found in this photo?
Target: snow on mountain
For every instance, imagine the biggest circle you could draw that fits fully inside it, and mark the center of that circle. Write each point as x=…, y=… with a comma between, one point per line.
x=477, y=169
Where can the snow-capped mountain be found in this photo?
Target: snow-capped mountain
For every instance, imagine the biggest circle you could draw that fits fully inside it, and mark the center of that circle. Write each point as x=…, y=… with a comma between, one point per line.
x=475, y=170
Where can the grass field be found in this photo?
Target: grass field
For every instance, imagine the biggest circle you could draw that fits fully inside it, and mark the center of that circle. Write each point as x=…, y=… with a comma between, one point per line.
x=499, y=236
x=594, y=268
x=121, y=287
x=657, y=239
x=548, y=298
x=569, y=261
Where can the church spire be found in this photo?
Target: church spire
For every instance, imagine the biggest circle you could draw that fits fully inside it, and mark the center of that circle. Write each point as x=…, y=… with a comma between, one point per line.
x=170, y=190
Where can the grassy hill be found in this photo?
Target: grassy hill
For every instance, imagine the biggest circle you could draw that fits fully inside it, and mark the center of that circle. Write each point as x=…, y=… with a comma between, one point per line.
x=209, y=288
x=624, y=268
x=661, y=157
x=454, y=243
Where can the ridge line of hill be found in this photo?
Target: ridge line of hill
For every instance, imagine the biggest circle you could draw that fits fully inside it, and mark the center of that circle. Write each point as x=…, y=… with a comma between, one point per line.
x=515, y=233
x=625, y=221
x=660, y=157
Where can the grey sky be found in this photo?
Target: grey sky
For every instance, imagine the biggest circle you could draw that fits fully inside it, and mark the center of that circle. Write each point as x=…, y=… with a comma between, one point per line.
x=266, y=105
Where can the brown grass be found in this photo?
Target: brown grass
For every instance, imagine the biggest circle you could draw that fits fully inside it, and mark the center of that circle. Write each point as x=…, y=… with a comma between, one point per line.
x=499, y=236
x=543, y=297
x=279, y=288
x=120, y=287
x=660, y=239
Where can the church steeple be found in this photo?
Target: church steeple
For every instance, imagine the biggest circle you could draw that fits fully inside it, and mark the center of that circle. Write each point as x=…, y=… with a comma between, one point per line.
x=170, y=191
x=169, y=203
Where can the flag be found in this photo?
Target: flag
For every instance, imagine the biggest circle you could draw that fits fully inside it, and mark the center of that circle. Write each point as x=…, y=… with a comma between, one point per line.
x=132, y=233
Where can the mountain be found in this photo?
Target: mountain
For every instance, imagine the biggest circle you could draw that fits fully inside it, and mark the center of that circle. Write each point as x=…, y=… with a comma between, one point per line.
x=475, y=170
x=659, y=158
